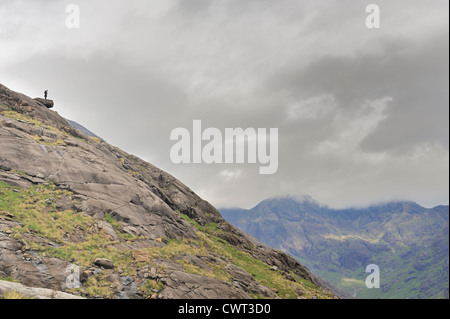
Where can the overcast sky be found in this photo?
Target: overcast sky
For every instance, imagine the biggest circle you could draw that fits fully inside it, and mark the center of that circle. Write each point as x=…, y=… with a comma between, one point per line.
x=362, y=113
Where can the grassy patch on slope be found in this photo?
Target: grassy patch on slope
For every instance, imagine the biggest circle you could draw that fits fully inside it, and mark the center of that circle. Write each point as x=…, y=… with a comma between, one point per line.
x=36, y=212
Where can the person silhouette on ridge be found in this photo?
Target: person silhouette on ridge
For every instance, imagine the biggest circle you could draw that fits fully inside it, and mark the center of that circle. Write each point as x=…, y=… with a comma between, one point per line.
x=45, y=94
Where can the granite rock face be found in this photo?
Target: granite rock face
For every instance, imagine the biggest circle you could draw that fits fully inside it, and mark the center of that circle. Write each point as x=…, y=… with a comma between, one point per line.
x=34, y=293
x=134, y=230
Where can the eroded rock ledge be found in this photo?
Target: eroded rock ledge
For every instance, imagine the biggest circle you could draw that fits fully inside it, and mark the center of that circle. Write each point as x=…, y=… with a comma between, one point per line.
x=34, y=293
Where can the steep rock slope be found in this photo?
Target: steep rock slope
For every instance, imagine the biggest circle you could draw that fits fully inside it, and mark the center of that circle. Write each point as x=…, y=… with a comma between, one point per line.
x=407, y=241
x=130, y=229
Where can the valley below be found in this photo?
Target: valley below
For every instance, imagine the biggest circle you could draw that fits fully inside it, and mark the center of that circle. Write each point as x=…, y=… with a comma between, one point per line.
x=409, y=243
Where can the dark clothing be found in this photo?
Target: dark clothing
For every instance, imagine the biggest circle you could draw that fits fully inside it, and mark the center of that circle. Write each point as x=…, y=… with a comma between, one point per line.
x=45, y=94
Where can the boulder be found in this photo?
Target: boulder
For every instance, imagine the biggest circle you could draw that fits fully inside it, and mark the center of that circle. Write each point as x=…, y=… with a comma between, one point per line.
x=104, y=263
x=29, y=292
x=47, y=103
x=181, y=285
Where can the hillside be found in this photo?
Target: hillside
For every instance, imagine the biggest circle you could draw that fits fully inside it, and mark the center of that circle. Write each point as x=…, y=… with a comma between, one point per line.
x=408, y=242
x=82, y=129
x=134, y=231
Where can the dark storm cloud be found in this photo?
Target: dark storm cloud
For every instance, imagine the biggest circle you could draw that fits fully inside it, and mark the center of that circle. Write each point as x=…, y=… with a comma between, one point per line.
x=415, y=76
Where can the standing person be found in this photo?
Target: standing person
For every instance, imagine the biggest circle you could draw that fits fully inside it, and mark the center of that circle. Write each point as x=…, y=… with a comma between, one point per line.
x=45, y=94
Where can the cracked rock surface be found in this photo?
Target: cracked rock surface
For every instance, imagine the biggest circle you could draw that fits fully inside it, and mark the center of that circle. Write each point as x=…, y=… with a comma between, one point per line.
x=139, y=210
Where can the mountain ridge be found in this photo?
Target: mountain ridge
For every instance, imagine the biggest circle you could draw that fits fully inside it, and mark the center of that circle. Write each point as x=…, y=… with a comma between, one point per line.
x=337, y=244
x=82, y=129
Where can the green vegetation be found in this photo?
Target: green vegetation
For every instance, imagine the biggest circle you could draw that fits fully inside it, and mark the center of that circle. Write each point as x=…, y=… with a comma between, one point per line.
x=75, y=237
x=39, y=139
x=118, y=227
x=400, y=277
x=71, y=236
x=150, y=288
x=10, y=279
x=98, y=286
x=12, y=294
x=408, y=242
x=260, y=271
x=19, y=116
x=22, y=117
x=95, y=139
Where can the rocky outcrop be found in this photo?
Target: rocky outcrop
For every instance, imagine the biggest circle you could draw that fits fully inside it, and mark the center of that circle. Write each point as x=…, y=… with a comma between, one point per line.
x=104, y=263
x=47, y=103
x=18, y=260
x=33, y=293
x=134, y=230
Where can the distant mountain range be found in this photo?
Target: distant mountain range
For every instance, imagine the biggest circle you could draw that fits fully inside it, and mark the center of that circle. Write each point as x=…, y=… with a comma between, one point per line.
x=82, y=129
x=408, y=242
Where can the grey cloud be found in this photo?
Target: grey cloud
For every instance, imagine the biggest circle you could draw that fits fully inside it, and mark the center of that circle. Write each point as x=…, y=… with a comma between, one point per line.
x=192, y=6
x=133, y=108
x=416, y=77
x=138, y=69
